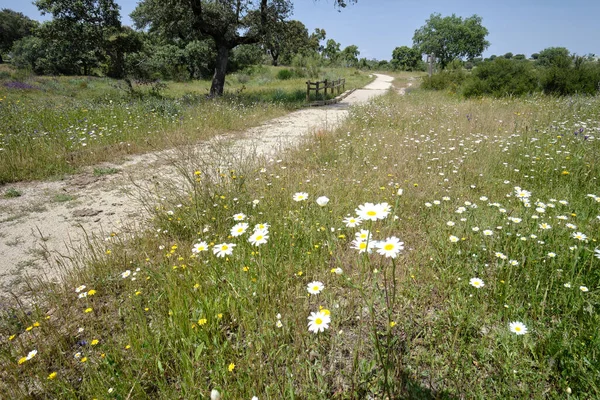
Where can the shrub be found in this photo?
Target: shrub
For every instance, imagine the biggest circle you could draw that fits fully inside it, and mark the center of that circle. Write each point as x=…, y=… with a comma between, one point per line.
x=501, y=77
x=284, y=74
x=583, y=77
x=448, y=79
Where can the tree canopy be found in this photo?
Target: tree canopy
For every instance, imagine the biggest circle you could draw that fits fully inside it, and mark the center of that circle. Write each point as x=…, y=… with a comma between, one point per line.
x=406, y=58
x=451, y=37
x=13, y=26
x=77, y=33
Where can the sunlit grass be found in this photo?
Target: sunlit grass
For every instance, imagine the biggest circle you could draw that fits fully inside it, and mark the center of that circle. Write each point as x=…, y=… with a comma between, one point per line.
x=171, y=322
x=54, y=125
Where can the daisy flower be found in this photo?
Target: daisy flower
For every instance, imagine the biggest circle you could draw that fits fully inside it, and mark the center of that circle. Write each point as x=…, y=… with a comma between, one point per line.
x=261, y=227
x=579, y=236
x=223, y=249
x=390, y=247
x=352, y=222
x=318, y=322
x=239, y=217
x=488, y=232
x=372, y=212
x=597, y=253
x=545, y=226
x=125, y=274
x=363, y=235
x=315, y=287
x=584, y=288
x=453, y=239
x=476, y=282
x=518, y=327
x=300, y=196
x=259, y=237
x=362, y=246
x=239, y=229
x=198, y=247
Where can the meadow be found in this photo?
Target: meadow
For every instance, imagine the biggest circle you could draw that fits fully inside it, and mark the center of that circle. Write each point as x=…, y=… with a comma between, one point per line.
x=431, y=247
x=53, y=126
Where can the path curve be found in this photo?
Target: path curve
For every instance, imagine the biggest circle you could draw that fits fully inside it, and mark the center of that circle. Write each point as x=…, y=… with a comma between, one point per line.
x=50, y=220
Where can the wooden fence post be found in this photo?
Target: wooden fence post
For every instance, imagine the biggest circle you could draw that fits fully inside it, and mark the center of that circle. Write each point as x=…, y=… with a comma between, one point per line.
x=317, y=90
x=307, y=91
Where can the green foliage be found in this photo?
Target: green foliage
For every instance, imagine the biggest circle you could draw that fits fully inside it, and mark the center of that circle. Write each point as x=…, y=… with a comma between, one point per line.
x=284, y=74
x=246, y=55
x=554, y=57
x=451, y=37
x=449, y=79
x=502, y=77
x=229, y=24
x=555, y=72
x=28, y=53
x=12, y=193
x=349, y=56
x=582, y=77
x=76, y=36
x=307, y=66
x=14, y=26
x=406, y=58
x=284, y=39
x=331, y=51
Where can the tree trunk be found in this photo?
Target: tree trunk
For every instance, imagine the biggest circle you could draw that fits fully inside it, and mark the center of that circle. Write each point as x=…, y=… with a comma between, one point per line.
x=1, y=60
x=275, y=56
x=218, y=82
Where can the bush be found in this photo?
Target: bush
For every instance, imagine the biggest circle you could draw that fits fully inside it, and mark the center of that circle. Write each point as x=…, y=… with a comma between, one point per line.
x=583, y=77
x=448, y=79
x=501, y=77
x=284, y=74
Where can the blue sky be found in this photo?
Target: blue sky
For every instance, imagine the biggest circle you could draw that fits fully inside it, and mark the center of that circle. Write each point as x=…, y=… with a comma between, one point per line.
x=378, y=26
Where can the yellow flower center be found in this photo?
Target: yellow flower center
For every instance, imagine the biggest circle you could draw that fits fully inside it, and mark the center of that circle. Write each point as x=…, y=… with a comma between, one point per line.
x=224, y=248
x=315, y=288
x=518, y=328
x=259, y=237
x=388, y=247
x=371, y=213
x=363, y=246
x=318, y=321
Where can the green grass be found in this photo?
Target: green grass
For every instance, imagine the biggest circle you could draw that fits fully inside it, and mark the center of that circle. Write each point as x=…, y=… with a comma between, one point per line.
x=409, y=327
x=12, y=193
x=99, y=171
x=55, y=125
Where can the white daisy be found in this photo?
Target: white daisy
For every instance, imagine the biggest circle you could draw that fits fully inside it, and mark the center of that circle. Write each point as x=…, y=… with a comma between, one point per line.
x=390, y=247
x=223, y=249
x=315, y=287
x=518, y=327
x=318, y=321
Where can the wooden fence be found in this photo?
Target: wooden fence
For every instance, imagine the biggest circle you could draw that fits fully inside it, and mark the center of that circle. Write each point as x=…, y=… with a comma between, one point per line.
x=338, y=85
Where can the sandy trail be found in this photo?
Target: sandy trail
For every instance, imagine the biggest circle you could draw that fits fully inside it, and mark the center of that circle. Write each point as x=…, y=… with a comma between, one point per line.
x=51, y=220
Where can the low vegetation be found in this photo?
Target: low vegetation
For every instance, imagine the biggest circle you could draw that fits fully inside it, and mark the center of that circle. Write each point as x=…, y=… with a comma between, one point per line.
x=482, y=221
x=561, y=76
x=54, y=125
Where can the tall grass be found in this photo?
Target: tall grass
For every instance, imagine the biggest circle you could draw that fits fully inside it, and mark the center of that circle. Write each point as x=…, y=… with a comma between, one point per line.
x=53, y=126
x=173, y=323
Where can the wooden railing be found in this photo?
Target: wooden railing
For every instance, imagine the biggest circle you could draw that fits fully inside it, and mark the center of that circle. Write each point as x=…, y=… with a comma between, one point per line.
x=338, y=85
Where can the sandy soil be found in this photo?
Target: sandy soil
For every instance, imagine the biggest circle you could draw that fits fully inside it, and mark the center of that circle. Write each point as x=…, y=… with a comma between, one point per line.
x=42, y=230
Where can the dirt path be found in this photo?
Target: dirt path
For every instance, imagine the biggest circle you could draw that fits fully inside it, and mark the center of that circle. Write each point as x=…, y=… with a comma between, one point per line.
x=45, y=226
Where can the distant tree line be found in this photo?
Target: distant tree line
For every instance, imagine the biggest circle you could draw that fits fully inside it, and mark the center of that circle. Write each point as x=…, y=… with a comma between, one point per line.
x=178, y=39
x=553, y=71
